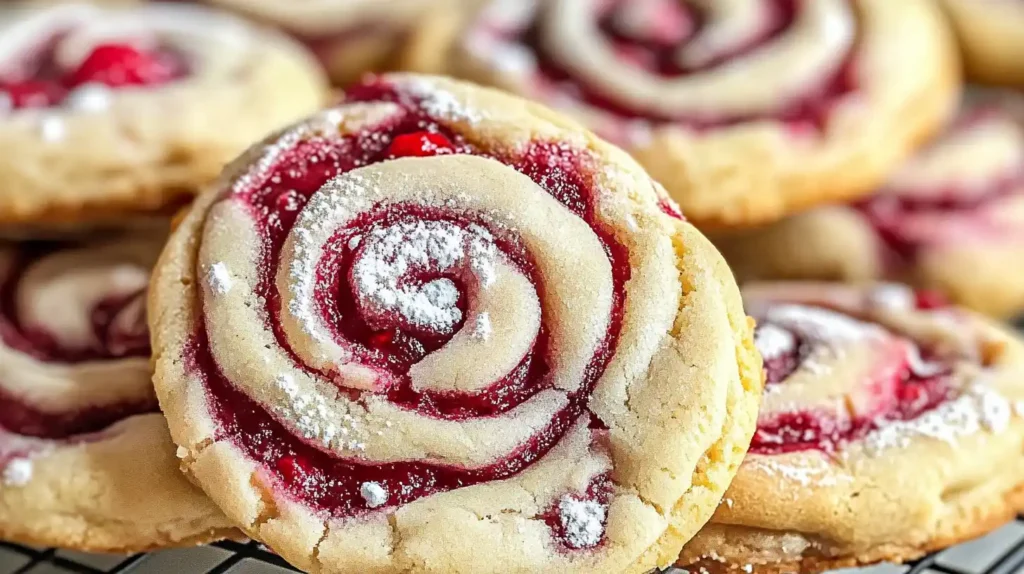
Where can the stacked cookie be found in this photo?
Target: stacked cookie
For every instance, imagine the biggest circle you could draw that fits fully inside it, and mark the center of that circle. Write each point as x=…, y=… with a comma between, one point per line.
x=109, y=121
x=437, y=327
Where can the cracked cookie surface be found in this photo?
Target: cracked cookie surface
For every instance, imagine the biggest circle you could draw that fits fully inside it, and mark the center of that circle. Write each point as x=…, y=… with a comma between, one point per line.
x=107, y=111
x=442, y=329
x=891, y=426
x=86, y=461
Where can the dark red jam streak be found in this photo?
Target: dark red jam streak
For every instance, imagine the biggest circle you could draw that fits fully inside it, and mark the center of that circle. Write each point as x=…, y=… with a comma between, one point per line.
x=657, y=55
x=319, y=479
x=888, y=212
x=912, y=396
x=28, y=420
x=38, y=82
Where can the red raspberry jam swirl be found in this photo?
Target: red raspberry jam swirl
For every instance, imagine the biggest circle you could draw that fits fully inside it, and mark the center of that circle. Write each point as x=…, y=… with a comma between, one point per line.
x=111, y=328
x=40, y=81
x=809, y=342
x=383, y=330
x=975, y=202
x=673, y=43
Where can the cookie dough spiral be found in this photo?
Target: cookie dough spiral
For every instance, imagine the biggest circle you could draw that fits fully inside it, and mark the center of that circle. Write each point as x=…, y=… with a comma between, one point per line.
x=842, y=89
x=877, y=398
x=431, y=297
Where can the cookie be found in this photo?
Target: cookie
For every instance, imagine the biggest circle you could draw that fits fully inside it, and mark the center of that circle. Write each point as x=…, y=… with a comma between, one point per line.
x=990, y=38
x=891, y=426
x=746, y=111
x=350, y=37
x=112, y=111
x=442, y=329
x=951, y=219
x=86, y=461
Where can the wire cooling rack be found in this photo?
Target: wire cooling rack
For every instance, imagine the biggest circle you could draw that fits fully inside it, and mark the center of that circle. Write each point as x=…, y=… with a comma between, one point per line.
x=1000, y=552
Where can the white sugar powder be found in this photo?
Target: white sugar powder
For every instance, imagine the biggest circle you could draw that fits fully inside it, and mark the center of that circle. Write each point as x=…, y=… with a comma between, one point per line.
x=17, y=472
x=390, y=254
x=312, y=418
x=821, y=324
x=773, y=341
x=583, y=521
x=374, y=494
x=893, y=297
x=51, y=128
x=482, y=327
x=440, y=103
x=218, y=278
x=90, y=97
x=978, y=408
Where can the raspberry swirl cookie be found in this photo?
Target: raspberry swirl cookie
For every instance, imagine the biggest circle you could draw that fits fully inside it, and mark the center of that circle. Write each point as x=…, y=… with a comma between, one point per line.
x=350, y=37
x=890, y=426
x=745, y=109
x=951, y=219
x=990, y=38
x=85, y=458
x=442, y=329
x=112, y=110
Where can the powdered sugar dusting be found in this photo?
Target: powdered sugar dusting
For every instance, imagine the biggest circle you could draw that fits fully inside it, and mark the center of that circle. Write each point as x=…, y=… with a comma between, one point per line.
x=804, y=472
x=313, y=420
x=17, y=472
x=218, y=278
x=389, y=254
x=892, y=297
x=978, y=408
x=374, y=494
x=582, y=520
x=440, y=103
x=482, y=327
x=773, y=341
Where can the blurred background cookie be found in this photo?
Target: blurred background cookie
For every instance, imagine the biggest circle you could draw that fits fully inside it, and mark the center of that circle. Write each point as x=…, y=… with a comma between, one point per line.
x=745, y=111
x=890, y=427
x=350, y=37
x=108, y=111
x=991, y=34
x=952, y=218
x=85, y=457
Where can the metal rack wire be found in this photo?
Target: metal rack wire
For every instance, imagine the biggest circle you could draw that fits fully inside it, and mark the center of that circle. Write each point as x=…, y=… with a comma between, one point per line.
x=1001, y=552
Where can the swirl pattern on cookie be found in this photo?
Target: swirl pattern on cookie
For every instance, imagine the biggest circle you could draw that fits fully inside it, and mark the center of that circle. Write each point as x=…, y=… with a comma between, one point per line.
x=865, y=385
x=670, y=81
x=75, y=347
x=965, y=188
x=77, y=57
x=410, y=300
x=949, y=219
x=657, y=61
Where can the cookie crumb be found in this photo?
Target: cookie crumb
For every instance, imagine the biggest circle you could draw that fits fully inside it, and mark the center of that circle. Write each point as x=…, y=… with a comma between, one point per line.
x=219, y=278
x=17, y=472
x=182, y=452
x=748, y=568
x=583, y=521
x=374, y=494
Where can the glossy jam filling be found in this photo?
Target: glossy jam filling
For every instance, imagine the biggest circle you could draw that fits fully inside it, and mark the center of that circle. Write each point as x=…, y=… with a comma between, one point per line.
x=322, y=480
x=906, y=396
x=40, y=82
x=678, y=24
x=116, y=339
